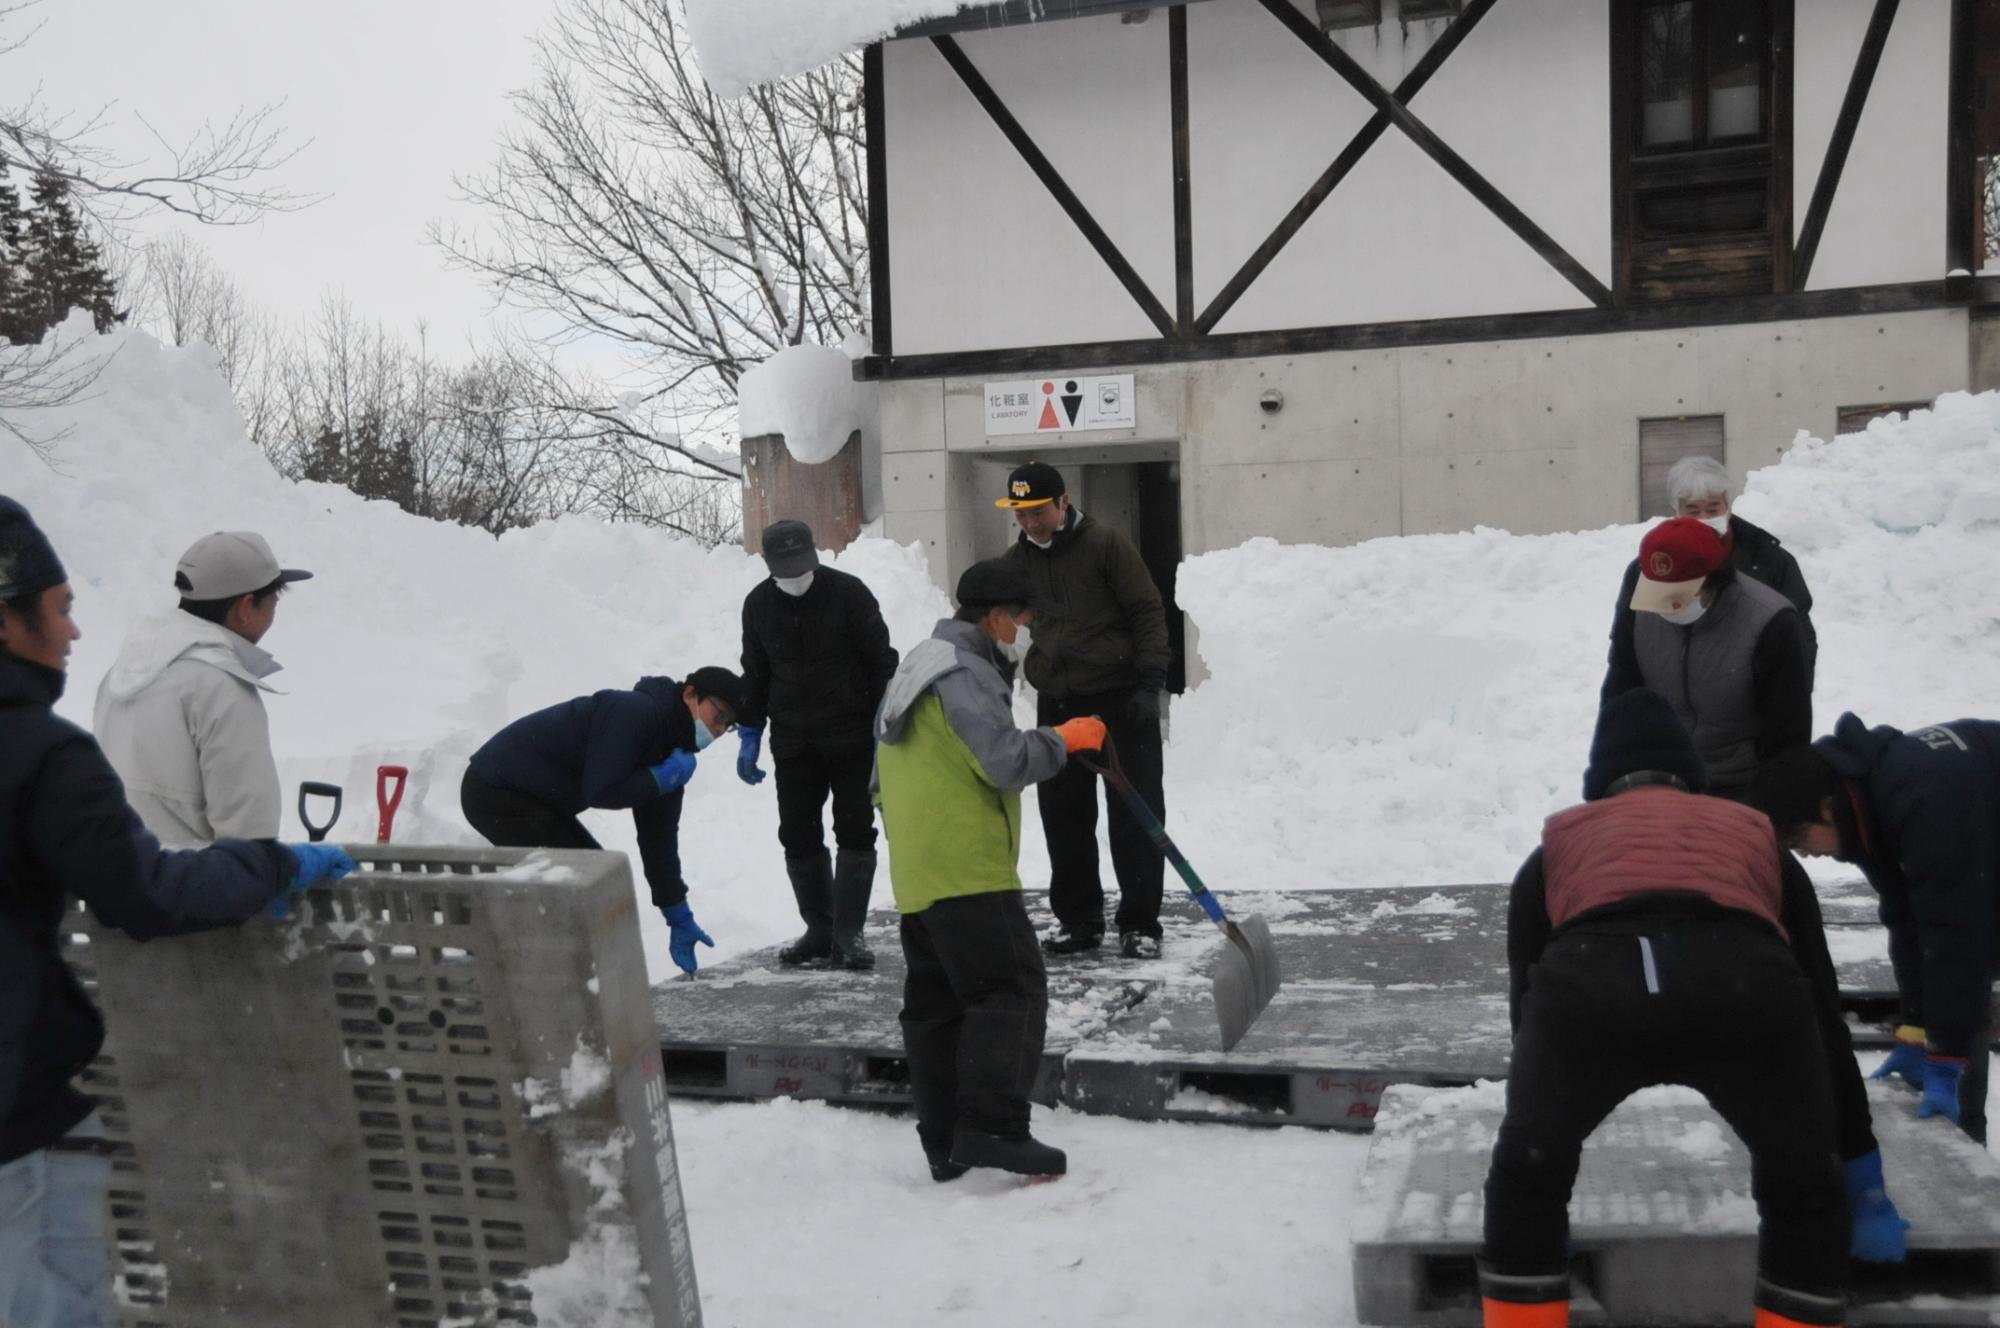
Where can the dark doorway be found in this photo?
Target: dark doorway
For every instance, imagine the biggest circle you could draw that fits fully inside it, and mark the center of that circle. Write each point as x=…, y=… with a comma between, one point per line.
x=1158, y=536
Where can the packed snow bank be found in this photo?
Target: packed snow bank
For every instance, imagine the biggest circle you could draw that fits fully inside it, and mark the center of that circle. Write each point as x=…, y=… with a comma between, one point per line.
x=741, y=43
x=415, y=641
x=1402, y=712
x=1406, y=711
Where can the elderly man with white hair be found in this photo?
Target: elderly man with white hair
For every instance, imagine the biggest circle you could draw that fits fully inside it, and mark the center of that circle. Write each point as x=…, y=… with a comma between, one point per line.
x=1698, y=486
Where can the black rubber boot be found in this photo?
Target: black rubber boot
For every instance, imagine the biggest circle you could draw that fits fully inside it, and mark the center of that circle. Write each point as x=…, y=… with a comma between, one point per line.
x=1026, y=1156
x=853, y=882
x=812, y=887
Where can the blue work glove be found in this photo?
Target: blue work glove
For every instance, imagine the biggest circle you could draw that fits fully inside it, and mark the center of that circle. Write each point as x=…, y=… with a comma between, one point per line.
x=1906, y=1061
x=752, y=741
x=1941, y=1076
x=683, y=932
x=675, y=771
x=315, y=863
x=1877, y=1232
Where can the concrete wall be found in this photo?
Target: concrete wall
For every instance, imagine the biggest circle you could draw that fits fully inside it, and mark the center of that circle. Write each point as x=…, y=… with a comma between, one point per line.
x=1532, y=436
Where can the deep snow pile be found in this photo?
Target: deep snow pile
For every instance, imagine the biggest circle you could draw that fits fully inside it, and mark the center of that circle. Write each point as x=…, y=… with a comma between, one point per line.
x=1400, y=712
x=1406, y=711
x=415, y=640
x=741, y=43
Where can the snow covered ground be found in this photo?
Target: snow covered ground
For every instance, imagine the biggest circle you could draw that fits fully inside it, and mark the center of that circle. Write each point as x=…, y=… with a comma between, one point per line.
x=1401, y=712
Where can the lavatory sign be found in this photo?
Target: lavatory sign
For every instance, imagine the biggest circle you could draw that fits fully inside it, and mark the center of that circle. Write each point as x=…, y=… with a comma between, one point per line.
x=1061, y=403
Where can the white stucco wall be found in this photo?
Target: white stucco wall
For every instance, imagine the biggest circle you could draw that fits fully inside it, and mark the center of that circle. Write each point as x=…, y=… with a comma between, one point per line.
x=981, y=257
x=1887, y=223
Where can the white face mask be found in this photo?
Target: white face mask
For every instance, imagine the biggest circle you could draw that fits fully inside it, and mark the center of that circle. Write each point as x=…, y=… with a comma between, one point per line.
x=794, y=585
x=1718, y=524
x=1688, y=616
x=702, y=737
x=1017, y=649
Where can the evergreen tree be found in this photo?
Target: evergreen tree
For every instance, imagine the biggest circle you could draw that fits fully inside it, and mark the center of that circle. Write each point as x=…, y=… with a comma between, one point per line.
x=62, y=268
x=13, y=263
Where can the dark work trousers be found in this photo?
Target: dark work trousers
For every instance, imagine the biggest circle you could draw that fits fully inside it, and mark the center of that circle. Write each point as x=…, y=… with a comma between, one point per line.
x=1069, y=821
x=807, y=773
x=515, y=820
x=975, y=1007
x=1717, y=1004
x=1978, y=1068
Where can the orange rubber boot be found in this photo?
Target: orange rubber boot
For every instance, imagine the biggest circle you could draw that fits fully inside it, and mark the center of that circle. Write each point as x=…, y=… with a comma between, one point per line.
x=1546, y=1314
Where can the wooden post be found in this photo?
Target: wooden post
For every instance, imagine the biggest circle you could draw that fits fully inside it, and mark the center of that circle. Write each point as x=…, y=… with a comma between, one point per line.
x=776, y=487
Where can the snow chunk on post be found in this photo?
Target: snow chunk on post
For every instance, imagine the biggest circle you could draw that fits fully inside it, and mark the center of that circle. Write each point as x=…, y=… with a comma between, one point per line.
x=808, y=395
x=741, y=43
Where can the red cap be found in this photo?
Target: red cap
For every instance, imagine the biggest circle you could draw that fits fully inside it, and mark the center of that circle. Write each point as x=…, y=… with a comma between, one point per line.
x=1674, y=559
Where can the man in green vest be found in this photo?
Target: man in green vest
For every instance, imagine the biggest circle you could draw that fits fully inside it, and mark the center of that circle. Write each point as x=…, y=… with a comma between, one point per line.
x=949, y=770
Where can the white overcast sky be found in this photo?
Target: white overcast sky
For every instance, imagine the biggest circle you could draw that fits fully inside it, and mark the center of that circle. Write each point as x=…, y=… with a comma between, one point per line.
x=397, y=95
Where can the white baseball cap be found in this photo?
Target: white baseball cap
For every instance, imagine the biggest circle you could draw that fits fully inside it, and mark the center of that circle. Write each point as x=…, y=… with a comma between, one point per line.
x=230, y=563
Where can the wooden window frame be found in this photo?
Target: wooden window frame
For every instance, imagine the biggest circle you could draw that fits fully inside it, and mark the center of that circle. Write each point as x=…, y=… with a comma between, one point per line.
x=1634, y=168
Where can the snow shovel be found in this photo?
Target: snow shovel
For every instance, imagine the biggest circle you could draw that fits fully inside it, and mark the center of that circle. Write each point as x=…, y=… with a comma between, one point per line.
x=1246, y=973
x=312, y=788
x=385, y=801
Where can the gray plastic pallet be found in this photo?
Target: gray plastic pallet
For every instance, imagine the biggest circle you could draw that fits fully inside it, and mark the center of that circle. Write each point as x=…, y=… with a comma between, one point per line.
x=1381, y=986
x=1662, y=1221
x=752, y=1029
x=431, y=1097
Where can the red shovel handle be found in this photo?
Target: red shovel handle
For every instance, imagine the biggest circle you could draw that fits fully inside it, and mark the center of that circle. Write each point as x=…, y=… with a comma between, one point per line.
x=385, y=801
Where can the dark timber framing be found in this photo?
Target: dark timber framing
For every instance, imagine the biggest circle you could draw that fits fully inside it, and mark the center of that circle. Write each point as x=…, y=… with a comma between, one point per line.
x=1841, y=303
x=1350, y=156
x=1045, y=171
x=874, y=114
x=1010, y=13
x=1434, y=147
x=1849, y=119
x=1960, y=190
x=1177, y=71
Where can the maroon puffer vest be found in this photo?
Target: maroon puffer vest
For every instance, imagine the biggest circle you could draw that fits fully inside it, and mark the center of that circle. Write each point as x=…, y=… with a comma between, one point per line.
x=1656, y=838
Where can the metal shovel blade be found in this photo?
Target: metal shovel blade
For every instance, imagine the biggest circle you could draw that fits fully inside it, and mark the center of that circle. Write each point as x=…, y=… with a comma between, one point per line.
x=1246, y=977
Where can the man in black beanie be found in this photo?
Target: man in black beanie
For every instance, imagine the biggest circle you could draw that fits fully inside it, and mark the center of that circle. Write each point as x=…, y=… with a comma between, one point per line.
x=66, y=830
x=1659, y=936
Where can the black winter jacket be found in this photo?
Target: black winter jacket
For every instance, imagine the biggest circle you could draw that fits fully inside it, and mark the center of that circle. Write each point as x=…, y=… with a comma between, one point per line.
x=1100, y=624
x=1921, y=818
x=1755, y=552
x=815, y=665
x=1529, y=933
x=66, y=831
x=597, y=751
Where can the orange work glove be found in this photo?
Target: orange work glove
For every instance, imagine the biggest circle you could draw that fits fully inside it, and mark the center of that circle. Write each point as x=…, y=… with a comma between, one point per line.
x=1085, y=733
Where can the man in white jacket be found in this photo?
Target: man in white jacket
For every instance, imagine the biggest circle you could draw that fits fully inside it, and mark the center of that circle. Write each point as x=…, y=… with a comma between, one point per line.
x=181, y=714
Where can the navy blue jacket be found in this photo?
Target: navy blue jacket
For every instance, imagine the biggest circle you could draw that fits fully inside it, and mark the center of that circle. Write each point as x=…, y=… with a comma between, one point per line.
x=597, y=751
x=1922, y=820
x=67, y=831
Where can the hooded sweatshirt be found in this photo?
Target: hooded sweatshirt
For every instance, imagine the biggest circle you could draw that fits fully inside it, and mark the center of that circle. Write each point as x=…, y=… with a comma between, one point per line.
x=181, y=718
x=950, y=767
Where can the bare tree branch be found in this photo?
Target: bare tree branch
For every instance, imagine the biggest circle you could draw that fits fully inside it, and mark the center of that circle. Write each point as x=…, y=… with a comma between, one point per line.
x=703, y=236
x=217, y=174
